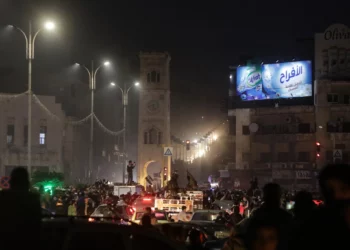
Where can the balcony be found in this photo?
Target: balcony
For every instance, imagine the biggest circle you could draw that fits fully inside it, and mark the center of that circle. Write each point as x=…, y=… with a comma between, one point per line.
x=277, y=138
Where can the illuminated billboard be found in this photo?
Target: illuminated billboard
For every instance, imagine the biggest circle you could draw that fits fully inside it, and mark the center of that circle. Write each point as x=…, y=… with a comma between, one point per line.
x=274, y=81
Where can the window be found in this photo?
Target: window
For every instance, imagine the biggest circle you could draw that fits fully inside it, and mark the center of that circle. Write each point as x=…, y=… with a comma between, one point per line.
x=265, y=157
x=153, y=76
x=10, y=134
x=282, y=156
x=145, y=138
x=304, y=156
x=42, y=135
x=160, y=137
x=346, y=99
x=245, y=130
x=304, y=128
x=25, y=135
x=153, y=136
x=332, y=98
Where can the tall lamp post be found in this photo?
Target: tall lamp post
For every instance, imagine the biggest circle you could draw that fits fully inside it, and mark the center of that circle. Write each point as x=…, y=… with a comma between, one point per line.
x=30, y=42
x=92, y=83
x=125, y=92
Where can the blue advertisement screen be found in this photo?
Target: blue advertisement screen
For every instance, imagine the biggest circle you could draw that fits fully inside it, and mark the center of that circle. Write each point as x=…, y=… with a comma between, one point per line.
x=274, y=81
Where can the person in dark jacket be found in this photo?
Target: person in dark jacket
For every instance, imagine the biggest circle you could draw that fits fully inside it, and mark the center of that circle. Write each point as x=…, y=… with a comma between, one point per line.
x=20, y=213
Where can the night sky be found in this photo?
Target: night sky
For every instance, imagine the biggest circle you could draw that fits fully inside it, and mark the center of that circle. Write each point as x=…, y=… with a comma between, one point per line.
x=203, y=37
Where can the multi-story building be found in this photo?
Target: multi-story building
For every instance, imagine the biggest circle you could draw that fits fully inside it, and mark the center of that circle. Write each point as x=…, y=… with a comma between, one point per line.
x=281, y=134
x=54, y=142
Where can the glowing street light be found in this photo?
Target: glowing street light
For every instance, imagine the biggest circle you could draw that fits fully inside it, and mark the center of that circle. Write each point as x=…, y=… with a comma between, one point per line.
x=30, y=38
x=215, y=137
x=92, y=80
x=50, y=25
x=125, y=92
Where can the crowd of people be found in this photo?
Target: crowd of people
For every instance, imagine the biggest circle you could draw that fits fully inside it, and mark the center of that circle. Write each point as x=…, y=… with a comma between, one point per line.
x=267, y=226
x=83, y=201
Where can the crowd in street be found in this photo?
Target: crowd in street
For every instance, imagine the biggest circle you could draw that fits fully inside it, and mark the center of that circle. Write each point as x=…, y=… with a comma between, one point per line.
x=83, y=201
x=267, y=225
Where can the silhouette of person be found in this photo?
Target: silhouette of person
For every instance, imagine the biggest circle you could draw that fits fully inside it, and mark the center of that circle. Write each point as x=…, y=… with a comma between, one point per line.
x=20, y=213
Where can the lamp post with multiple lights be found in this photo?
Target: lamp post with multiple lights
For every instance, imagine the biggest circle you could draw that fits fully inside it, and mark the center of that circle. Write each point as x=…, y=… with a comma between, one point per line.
x=125, y=92
x=30, y=42
x=92, y=83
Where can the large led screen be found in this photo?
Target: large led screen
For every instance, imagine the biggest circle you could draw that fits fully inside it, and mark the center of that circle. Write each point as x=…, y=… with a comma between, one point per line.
x=274, y=81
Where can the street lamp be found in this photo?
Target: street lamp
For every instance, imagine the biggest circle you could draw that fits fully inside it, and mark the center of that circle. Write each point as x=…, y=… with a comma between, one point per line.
x=92, y=82
x=30, y=42
x=125, y=93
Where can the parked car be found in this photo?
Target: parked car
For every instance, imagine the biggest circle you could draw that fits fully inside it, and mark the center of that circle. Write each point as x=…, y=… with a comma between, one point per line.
x=124, y=212
x=160, y=215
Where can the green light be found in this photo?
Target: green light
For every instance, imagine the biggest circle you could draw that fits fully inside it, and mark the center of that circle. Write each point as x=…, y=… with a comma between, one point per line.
x=48, y=188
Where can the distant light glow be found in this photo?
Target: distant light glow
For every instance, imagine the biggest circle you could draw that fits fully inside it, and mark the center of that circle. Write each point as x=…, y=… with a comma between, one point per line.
x=137, y=83
x=112, y=84
x=195, y=141
x=215, y=137
x=107, y=63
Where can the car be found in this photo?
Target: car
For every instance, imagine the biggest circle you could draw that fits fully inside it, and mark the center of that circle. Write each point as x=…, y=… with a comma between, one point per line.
x=160, y=215
x=142, y=202
x=205, y=216
x=124, y=212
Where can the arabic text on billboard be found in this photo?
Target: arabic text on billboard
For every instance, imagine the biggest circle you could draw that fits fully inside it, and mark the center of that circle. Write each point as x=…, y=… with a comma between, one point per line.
x=274, y=81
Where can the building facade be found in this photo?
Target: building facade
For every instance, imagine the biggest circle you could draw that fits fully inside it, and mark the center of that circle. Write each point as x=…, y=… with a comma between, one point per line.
x=53, y=139
x=154, y=115
x=291, y=140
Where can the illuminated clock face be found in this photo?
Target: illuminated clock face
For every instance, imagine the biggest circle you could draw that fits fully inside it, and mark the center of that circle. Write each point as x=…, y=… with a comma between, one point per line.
x=153, y=106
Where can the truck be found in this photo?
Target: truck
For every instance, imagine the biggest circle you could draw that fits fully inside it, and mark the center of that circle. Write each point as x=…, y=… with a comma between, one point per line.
x=118, y=190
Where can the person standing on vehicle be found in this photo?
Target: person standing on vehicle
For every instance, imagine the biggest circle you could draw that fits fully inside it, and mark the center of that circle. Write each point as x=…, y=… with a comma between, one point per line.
x=182, y=216
x=129, y=170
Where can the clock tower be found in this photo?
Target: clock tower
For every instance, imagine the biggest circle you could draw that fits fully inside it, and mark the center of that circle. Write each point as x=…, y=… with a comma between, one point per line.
x=154, y=114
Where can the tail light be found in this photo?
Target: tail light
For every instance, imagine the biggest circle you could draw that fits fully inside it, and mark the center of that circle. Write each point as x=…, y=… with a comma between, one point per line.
x=91, y=219
x=147, y=199
x=130, y=211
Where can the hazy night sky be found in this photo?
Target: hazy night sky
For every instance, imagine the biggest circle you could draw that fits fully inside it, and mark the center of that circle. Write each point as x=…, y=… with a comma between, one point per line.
x=203, y=38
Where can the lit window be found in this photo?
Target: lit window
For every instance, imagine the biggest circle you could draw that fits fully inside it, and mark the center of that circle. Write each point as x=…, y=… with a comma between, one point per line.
x=10, y=138
x=42, y=135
